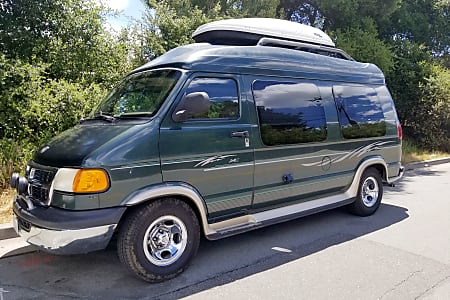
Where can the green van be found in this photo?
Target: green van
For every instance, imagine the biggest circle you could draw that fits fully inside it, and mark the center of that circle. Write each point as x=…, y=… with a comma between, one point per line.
x=248, y=127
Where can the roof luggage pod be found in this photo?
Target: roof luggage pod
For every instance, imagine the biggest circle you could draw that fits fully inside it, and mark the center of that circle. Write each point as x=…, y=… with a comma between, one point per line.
x=268, y=32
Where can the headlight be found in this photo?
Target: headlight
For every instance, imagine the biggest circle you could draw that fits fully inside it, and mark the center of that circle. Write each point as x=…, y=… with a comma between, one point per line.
x=81, y=180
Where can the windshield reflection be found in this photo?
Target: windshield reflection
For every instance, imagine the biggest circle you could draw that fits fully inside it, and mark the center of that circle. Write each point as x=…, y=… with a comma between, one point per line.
x=138, y=95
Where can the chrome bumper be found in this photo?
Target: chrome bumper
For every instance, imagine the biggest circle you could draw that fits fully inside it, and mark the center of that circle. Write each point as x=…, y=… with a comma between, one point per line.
x=65, y=241
x=401, y=172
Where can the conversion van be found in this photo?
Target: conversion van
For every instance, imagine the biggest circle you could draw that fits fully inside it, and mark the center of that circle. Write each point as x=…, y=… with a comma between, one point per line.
x=258, y=122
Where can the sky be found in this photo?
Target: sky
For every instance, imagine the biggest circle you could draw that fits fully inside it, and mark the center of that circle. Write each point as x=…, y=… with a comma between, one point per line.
x=127, y=9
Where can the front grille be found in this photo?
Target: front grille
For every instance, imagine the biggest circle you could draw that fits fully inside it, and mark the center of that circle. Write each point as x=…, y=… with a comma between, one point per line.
x=43, y=176
x=40, y=180
x=39, y=193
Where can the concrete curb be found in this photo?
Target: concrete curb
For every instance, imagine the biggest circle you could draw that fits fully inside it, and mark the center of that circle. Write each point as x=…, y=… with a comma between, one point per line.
x=427, y=163
x=7, y=231
x=15, y=246
x=11, y=245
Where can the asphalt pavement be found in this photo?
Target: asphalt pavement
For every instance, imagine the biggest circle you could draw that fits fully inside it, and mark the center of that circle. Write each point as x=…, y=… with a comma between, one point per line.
x=401, y=252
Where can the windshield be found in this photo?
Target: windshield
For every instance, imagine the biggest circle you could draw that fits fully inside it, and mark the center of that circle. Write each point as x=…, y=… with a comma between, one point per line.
x=138, y=95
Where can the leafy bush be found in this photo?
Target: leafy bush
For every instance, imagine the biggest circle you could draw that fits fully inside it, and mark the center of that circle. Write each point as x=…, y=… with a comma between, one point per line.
x=363, y=44
x=34, y=108
x=432, y=123
x=13, y=158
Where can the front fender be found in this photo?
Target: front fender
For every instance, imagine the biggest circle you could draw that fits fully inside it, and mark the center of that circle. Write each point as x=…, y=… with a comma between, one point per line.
x=172, y=189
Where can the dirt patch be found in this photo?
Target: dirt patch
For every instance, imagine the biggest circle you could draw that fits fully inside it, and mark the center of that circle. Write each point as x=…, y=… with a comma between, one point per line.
x=6, y=204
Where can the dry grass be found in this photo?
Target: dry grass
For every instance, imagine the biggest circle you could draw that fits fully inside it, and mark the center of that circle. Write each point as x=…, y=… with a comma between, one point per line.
x=6, y=204
x=416, y=157
x=413, y=153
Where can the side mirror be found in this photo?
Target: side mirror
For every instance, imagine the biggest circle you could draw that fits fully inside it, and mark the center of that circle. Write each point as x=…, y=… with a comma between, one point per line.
x=192, y=104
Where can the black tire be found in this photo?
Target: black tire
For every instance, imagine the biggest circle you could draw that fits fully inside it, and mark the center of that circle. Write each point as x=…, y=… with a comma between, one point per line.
x=370, y=193
x=168, y=225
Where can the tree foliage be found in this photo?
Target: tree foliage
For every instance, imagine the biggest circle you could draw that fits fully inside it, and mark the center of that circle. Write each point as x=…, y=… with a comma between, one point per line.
x=424, y=22
x=342, y=14
x=363, y=44
x=431, y=127
x=35, y=107
x=68, y=36
x=57, y=61
x=170, y=23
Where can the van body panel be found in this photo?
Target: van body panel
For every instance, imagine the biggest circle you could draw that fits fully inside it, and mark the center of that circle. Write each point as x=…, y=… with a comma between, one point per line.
x=236, y=169
x=203, y=153
x=71, y=147
x=266, y=61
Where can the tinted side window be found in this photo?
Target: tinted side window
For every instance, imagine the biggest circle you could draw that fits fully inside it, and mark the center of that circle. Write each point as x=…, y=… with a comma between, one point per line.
x=223, y=95
x=360, y=113
x=289, y=112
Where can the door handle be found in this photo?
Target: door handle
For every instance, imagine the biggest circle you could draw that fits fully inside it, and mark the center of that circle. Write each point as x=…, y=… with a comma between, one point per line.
x=240, y=134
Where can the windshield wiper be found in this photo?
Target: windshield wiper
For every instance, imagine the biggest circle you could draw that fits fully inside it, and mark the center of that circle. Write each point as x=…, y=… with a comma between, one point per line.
x=104, y=116
x=138, y=115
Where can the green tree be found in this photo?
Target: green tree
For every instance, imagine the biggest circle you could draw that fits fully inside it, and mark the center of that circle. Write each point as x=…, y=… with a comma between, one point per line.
x=57, y=59
x=67, y=35
x=432, y=124
x=363, y=44
x=412, y=65
x=352, y=23
x=425, y=22
x=170, y=23
x=34, y=108
x=338, y=14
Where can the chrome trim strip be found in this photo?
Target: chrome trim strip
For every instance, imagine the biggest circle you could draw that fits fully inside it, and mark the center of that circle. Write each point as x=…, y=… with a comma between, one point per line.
x=298, y=158
x=181, y=162
x=228, y=167
x=133, y=167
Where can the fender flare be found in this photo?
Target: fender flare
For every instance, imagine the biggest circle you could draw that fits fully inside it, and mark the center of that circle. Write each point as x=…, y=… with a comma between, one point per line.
x=172, y=189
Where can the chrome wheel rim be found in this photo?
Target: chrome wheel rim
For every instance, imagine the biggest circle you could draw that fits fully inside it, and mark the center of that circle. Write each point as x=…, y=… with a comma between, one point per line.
x=165, y=240
x=370, y=191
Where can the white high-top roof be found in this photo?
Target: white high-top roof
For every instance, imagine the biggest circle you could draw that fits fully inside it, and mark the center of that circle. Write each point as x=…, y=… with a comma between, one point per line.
x=277, y=28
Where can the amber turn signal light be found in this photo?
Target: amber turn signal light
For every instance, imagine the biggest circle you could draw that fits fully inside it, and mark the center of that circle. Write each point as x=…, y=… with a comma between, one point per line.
x=90, y=181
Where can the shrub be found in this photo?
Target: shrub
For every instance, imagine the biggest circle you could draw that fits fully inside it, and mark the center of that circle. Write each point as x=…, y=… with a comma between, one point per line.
x=432, y=123
x=34, y=108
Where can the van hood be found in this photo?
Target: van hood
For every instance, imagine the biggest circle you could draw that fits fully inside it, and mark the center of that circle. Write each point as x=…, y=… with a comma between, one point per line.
x=71, y=147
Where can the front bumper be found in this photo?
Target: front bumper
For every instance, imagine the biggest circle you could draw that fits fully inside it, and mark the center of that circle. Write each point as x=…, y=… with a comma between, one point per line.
x=61, y=231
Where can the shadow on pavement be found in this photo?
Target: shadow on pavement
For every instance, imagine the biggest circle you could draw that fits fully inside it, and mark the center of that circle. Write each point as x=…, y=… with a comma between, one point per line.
x=420, y=172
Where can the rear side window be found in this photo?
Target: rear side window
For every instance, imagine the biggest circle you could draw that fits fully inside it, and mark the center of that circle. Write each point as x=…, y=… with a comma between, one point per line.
x=289, y=112
x=223, y=95
x=360, y=113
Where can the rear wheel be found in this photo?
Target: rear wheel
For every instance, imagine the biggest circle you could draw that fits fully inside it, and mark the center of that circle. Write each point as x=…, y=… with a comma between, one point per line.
x=158, y=240
x=370, y=193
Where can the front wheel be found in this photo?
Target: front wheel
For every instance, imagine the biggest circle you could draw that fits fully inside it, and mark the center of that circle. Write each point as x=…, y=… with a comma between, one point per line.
x=157, y=241
x=370, y=193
